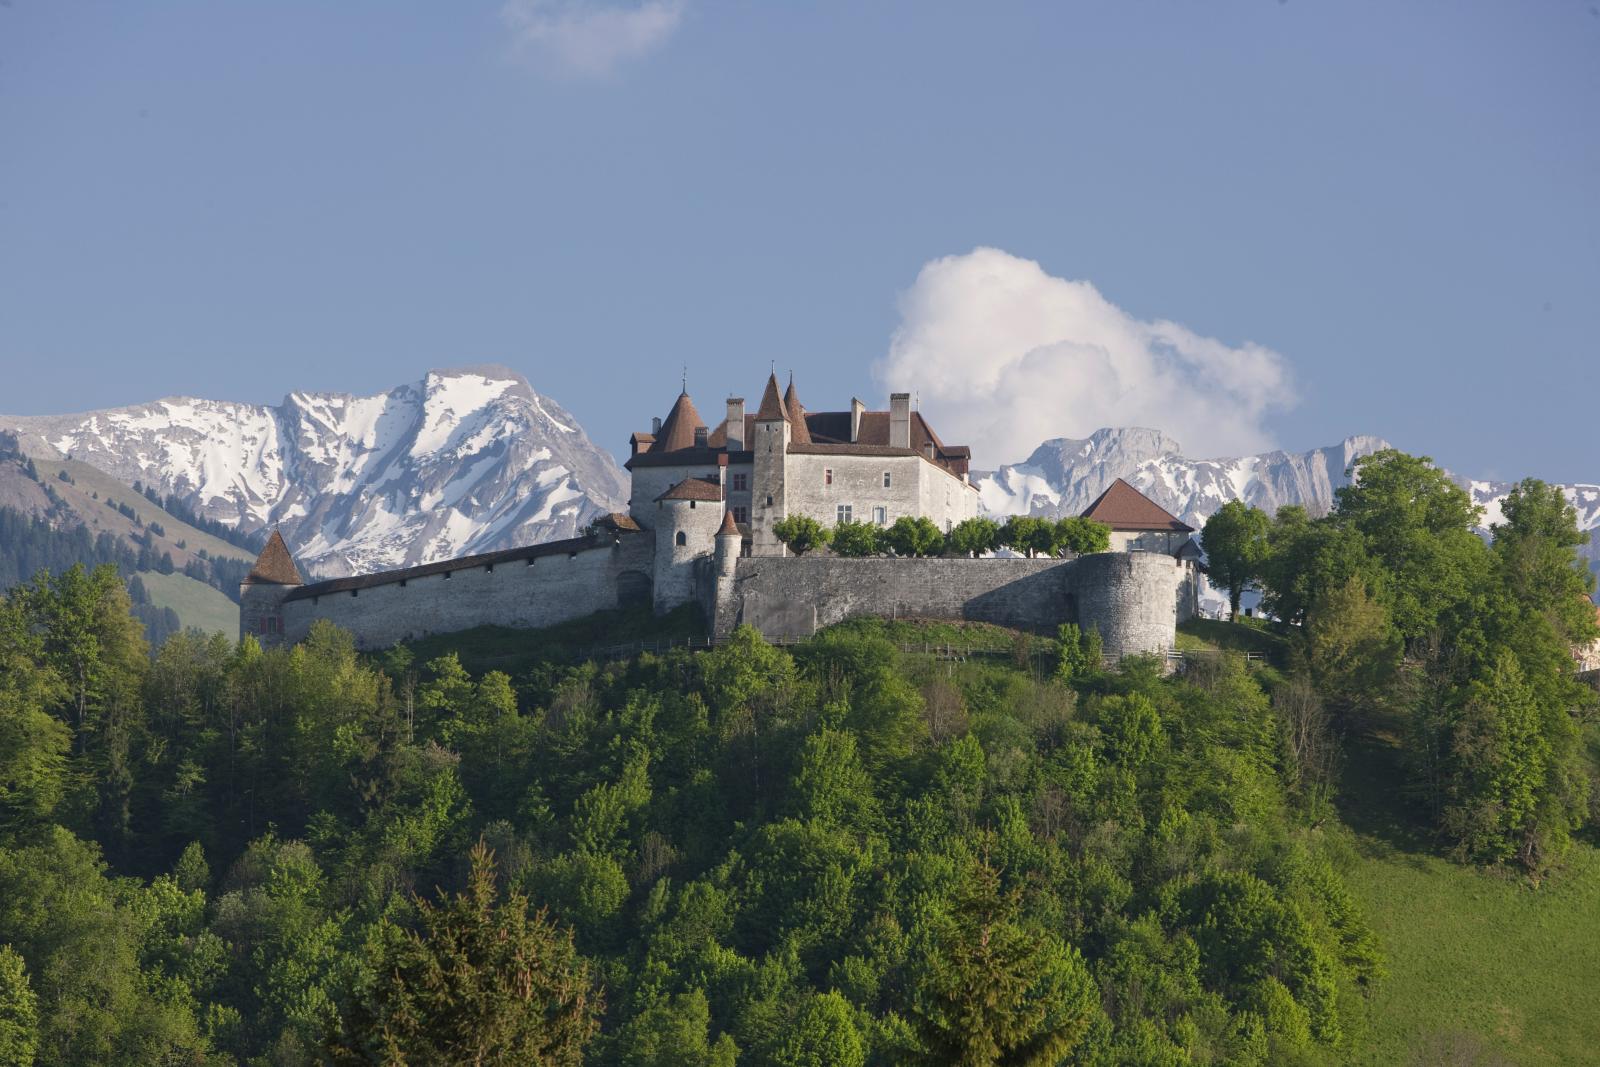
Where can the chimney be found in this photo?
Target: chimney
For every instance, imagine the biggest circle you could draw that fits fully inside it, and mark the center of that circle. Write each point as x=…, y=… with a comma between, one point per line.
x=856, y=410
x=699, y=437
x=655, y=426
x=899, y=420
x=736, y=424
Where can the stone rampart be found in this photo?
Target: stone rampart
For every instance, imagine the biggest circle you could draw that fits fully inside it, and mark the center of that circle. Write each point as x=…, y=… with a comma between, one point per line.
x=1135, y=599
x=535, y=591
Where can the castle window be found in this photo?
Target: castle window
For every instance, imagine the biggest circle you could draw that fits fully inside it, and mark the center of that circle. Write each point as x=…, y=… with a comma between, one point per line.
x=682, y=539
x=488, y=568
x=402, y=583
x=691, y=505
x=769, y=500
x=741, y=514
x=530, y=560
x=880, y=516
x=741, y=482
x=447, y=576
x=886, y=480
x=827, y=476
x=353, y=592
x=844, y=513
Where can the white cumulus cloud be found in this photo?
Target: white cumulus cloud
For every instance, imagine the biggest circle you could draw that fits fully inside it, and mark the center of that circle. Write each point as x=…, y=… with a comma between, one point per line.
x=589, y=39
x=1005, y=356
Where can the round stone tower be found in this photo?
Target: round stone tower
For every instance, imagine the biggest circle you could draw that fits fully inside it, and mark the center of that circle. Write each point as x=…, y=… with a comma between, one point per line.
x=264, y=590
x=1132, y=598
x=688, y=517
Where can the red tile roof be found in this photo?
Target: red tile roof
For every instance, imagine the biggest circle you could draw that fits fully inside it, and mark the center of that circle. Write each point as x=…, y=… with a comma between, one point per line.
x=274, y=566
x=798, y=432
x=729, y=527
x=678, y=429
x=771, y=403
x=693, y=489
x=1122, y=507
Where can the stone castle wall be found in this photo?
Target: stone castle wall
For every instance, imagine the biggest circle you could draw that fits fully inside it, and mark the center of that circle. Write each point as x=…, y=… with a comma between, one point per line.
x=541, y=590
x=1136, y=599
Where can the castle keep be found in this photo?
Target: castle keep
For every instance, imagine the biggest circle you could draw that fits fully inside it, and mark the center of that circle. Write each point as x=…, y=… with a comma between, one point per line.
x=699, y=529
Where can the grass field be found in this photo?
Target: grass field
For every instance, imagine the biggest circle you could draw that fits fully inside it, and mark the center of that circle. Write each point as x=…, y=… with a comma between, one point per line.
x=1213, y=635
x=197, y=604
x=499, y=648
x=1477, y=960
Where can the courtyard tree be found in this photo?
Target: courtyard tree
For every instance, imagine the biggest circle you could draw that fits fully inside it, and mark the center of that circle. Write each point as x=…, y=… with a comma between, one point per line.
x=914, y=536
x=801, y=533
x=1024, y=533
x=856, y=539
x=973, y=537
x=1079, y=535
x=1235, y=539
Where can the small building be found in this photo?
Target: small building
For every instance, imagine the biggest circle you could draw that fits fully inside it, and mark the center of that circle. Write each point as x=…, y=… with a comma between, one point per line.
x=1139, y=524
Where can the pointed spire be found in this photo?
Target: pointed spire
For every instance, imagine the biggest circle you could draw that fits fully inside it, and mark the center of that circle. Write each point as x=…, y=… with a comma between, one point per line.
x=729, y=527
x=275, y=566
x=771, y=403
x=798, y=431
x=677, y=431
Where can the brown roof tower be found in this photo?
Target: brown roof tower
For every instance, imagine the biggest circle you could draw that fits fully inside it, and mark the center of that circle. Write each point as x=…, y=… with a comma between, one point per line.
x=771, y=402
x=1122, y=507
x=274, y=566
x=677, y=432
x=798, y=432
x=729, y=527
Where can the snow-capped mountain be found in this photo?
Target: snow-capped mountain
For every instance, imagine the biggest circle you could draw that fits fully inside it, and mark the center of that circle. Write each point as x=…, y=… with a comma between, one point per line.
x=463, y=461
x=1065, y=475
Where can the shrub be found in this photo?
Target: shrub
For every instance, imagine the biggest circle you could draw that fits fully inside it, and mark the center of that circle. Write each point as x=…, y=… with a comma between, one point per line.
x=856, y=539
x=914, y=537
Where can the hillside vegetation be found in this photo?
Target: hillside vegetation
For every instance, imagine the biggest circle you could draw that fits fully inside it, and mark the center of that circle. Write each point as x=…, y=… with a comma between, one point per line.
x=978, y=848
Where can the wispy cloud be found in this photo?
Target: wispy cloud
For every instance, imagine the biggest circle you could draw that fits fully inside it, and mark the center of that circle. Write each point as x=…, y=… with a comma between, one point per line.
x=1010, y=356
x=589, y=39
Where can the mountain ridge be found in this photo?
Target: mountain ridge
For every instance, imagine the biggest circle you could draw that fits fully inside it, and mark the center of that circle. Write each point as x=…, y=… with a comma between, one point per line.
x=465, y=460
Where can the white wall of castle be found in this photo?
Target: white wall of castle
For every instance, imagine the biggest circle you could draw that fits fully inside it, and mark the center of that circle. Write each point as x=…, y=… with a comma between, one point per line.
x=651, y=482
x=1168, y=541
x=916, y=487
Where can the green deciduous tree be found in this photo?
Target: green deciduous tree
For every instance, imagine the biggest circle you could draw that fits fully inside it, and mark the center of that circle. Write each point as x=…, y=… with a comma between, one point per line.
x=1235, y=539
x=801, y=533
x=914, y=536
x=1079, y=535
x=856, y=539
x=974, y=537
x=1026, y=534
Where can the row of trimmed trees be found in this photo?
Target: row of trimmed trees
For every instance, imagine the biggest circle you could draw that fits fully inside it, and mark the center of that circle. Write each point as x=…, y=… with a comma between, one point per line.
x=909, y=536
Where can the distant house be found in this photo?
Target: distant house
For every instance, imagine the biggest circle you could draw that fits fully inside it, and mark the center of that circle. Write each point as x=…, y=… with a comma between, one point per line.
x=1139, y=524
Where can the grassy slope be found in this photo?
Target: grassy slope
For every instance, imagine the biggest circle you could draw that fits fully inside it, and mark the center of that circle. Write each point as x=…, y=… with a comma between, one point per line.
x=90, y=480
x=1475, y=955
x=1211, y=635
x=197, y=604
x=498, y=648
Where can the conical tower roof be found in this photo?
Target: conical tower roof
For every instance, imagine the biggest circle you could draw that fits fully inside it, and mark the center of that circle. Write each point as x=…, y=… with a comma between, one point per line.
x=798, y=431
x=729, y=527
x=274, y=566
x=677, y=431
x=771, y=402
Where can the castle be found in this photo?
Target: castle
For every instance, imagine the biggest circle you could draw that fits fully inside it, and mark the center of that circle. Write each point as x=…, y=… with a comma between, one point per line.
x=700, y=529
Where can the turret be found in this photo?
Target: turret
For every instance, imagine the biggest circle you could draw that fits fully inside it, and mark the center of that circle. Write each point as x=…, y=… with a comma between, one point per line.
x=265, y=589
x=729, y=541
x=773, y=430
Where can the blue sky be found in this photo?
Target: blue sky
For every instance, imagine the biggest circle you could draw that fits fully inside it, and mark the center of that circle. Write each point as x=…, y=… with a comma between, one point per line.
x=1247, y=224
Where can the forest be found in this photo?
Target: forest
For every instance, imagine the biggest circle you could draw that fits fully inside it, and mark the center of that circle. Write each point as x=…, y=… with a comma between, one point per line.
x=842, y=852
